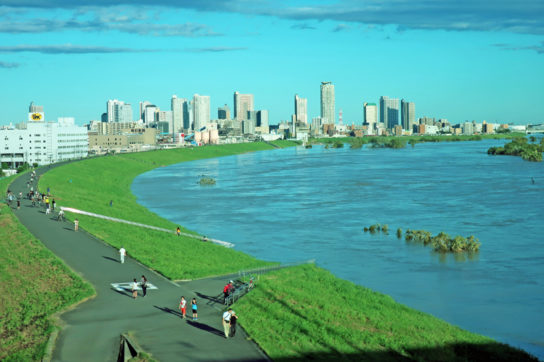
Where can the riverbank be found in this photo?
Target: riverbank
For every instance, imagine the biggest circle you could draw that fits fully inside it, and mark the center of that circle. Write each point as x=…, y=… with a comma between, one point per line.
x=34, y=285
x=327, y=301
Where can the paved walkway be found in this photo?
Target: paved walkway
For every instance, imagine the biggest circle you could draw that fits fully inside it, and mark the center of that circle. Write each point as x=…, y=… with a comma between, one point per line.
x=93, y=328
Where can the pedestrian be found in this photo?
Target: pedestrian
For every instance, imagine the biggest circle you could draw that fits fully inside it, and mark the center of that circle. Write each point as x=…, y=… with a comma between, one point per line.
x=111, y=203
x=61, y=215
x=182, y=306
x=233, y=319
x=122, y=254
x=134, y=289
x=226, y=322
x=227, y=290
x=178, y=231
x=18, y=204
x=195, y=309
x=53, y=203
x=76, y=224
x=143, y=284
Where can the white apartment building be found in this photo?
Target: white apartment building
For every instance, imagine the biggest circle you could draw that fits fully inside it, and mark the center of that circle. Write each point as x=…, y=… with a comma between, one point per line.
x=43, y=142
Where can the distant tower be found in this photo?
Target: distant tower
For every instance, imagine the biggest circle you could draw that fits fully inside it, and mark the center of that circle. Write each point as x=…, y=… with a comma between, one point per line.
x=389, y=112
x=179, y=112
x=327, y=103
x=201, y=111
x=35, y=113
x=301, y=109
x=340, y=122
x=408, y=114
x=242, y=104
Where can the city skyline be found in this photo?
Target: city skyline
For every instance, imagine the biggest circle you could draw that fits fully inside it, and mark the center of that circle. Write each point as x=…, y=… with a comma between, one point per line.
x=455, y=61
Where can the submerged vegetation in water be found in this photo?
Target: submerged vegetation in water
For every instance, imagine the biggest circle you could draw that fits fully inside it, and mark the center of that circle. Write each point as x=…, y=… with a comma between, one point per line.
x=204, y=180
x=522, y=148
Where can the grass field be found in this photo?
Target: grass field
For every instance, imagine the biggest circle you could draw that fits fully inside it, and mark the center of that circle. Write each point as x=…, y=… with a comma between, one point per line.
x=307, y=313
x=34, y=284
x=90, y=185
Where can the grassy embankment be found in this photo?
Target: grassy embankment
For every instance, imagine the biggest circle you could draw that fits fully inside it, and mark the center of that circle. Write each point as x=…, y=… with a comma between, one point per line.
x=306, y=313
x=90, y=185
x=299, y=312
x=34, y=284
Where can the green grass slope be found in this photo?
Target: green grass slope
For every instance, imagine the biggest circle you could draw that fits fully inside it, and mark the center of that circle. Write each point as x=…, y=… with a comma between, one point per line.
x=90, y=185
x=306, y=313
x=34, y=284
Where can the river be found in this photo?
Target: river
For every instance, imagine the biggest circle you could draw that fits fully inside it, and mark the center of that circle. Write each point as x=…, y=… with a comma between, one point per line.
x=296, y=204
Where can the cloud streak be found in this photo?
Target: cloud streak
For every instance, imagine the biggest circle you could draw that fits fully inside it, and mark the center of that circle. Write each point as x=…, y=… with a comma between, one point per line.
x=523, y=16
x=537, y=48
x=9, y=65
x=215, y=49
x=70, y=49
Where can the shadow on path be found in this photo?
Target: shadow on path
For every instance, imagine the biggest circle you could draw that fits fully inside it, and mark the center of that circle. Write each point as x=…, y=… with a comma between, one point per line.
x=216, y=299
x=125, y=293
x=109, y=258
x=206, y=328
x=169, y=310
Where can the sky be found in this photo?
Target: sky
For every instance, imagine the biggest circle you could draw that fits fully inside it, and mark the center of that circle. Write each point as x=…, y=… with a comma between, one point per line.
x=456, y=59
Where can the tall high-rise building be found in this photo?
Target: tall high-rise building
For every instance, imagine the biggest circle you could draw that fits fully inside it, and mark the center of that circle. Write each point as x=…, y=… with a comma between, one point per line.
x=142, y=109
x=389, y=112
x=371, y=115
x=223, y=112
x=301, y=109
x=327, y=103
x=408, y=114
x=118, y=111
x=180, y=110
x=150, y=114
x=201, y=111
x=242, y=104
x=262, y=119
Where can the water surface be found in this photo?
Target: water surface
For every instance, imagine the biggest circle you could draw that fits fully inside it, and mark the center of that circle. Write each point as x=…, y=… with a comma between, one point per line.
x=297, y=204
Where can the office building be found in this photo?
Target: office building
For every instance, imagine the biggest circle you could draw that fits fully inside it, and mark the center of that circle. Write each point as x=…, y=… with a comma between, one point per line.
x=142, y=109
x=370, y=111
x=150, y=114
x=301, y=109
x=327, y=103
x=242, y=104
x=43, y=142
x=389, y=112
x=35, y=113
x=118, y=111
x=201, y=111
x=223, y=112
x=408, y=114
x=180, y=112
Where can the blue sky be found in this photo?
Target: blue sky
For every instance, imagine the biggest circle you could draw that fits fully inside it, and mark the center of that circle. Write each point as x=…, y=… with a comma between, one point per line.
x=460, y=60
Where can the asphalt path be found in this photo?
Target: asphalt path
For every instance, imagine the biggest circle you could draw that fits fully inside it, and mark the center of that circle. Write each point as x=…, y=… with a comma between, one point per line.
x=92, y=330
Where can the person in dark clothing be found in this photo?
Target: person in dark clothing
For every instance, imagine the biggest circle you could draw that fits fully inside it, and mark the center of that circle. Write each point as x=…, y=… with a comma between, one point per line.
x=233, y=320
x=143, y=284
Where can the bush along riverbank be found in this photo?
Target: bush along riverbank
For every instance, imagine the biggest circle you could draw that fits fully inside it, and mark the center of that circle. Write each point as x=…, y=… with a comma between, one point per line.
x=296, y=313
x=34, y=284
x=401, y=141
x=522, y=148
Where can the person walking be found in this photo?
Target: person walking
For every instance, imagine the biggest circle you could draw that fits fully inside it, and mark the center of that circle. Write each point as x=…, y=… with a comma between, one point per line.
x=194, y=307
x=134, y=288
x=143, y=284
x=76, y=225
x=122, y=254
x=233, y=319
x=226, y=322
x=18, y=204
x=182, y=306
x=227, y=290
x=53, y=203
x=178, y=231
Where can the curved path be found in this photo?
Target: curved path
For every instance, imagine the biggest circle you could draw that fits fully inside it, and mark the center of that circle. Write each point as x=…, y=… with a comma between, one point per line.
x=92, y=329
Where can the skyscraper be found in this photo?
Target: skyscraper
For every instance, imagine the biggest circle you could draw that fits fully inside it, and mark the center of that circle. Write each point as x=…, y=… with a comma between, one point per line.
x=301, y=109
x=242, y=104
x=179, y=112
x=371, y=115
x=142, y=109
x=389, y=112
x=262, y=120
x=118, y=111
x=327, y=103
x=408, y=114
x=201, y=111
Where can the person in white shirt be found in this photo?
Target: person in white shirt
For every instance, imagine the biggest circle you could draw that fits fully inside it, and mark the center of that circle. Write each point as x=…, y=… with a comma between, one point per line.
x=122, y=254
x=226, y=322
x=134, y=288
